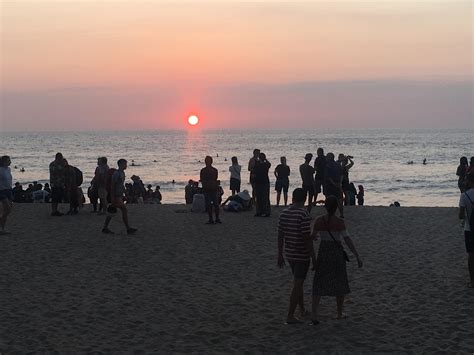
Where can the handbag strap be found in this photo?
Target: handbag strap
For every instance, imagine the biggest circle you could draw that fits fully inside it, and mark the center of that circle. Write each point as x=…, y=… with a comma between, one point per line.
x=327, y=227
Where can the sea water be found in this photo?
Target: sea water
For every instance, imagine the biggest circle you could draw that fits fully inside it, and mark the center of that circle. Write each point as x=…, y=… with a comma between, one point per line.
x=381, y=158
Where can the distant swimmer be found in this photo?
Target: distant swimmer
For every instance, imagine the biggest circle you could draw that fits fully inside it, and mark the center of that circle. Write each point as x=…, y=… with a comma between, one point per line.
x=22, y=170
x=173, y=182
x=217, y=155
x=410, y=162
x=154, y=161
x=424, y=161
x=15, y=167
x=133, y=164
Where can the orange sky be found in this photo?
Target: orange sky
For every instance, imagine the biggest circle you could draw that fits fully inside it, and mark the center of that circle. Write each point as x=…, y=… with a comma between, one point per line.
x=189, y=50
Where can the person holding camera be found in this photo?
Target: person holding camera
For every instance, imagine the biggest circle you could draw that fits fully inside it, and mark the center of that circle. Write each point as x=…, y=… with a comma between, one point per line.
x=346, y=163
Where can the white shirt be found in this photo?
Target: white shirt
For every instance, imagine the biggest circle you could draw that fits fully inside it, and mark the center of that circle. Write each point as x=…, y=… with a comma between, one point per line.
x=6, y=180
x=235, y=171
x=468, y=206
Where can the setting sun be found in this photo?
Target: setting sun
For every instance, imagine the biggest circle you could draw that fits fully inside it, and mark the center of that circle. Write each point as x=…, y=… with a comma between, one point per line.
x=193, y=120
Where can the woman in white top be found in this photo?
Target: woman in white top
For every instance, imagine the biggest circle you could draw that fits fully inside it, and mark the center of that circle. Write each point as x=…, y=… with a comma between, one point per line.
x=330, y=277
x=6, y=195
x=235, y=169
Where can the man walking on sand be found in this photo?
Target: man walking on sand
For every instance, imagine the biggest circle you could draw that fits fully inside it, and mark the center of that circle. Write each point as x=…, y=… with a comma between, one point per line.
x=294, y=232
x=208, y=178
x=117, y=191
x=466, y=209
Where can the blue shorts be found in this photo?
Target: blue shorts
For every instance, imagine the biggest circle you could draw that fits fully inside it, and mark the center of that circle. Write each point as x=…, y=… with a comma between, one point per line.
x=6, y=195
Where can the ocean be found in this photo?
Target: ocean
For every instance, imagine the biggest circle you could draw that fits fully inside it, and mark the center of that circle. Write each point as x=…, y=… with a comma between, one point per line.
x=381, y=158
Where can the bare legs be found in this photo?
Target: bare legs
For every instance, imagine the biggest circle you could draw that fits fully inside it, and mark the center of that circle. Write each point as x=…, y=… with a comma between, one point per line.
x=296, y=298
x=340, y=307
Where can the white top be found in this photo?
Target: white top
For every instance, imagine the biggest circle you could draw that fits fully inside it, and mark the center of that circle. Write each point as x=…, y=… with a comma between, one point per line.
x=6, y=180
x=40, y=195
x=338, y=235
x=235, y=171
x=464, y=202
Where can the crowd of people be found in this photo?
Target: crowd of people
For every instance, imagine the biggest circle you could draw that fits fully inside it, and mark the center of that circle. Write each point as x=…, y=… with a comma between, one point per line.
x=109, y=193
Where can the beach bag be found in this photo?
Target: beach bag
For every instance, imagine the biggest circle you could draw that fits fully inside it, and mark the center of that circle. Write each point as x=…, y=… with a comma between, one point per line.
x=79, y=177
x=471, y=217
x=199, y=203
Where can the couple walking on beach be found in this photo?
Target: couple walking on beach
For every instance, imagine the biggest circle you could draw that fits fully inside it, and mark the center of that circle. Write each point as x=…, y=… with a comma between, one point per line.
x=296, y=237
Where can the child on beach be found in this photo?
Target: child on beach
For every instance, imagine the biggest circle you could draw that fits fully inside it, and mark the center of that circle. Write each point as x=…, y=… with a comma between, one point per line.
x=360, y=196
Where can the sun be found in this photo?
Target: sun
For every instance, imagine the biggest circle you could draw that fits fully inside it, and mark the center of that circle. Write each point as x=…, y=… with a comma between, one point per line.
x=193, y=120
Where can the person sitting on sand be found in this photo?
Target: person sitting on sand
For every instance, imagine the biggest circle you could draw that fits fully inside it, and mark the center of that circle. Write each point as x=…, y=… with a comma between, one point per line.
x=117, y=191
x=208, y=177
x=294, y=234
x=6, y=193
x=466, y=210
x=239, y=202
x=330, y=277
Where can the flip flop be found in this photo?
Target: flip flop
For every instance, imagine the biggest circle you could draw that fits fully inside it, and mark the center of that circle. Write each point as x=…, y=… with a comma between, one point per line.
x=314, y=322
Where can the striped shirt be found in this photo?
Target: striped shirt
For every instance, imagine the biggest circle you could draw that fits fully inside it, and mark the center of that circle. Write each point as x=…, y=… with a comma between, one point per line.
x=294, y=224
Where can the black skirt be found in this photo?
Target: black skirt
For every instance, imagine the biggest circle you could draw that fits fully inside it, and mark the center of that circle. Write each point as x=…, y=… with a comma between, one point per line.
x=330, y=277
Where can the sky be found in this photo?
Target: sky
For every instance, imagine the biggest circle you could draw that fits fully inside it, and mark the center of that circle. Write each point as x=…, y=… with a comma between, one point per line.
x=124, y=65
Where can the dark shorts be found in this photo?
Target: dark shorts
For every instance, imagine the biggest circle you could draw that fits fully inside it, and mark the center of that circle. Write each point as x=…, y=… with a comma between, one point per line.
x=299, y=269
x=469, y=239
x=308, y=189
x=6, y=195
x=211, y=198
x=282, y=185
x=318, y=186
x=235, y=184
x=57, y=194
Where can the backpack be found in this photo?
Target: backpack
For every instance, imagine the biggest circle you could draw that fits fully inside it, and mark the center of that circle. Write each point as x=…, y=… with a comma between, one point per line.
x=471, y=217
x=79, y=177
x=108, y=180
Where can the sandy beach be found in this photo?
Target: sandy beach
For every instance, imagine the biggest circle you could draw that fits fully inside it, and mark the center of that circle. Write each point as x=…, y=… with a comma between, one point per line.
x=181, y=286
